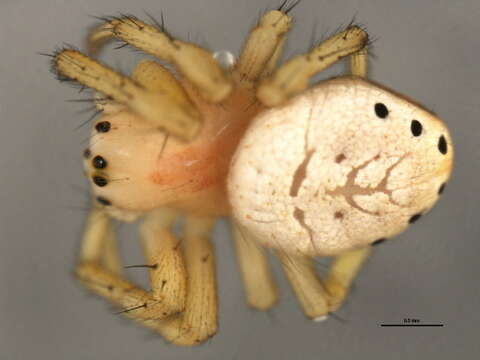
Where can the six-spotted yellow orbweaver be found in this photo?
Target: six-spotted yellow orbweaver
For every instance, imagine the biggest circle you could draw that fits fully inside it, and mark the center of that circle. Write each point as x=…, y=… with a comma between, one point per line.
x=321, y=171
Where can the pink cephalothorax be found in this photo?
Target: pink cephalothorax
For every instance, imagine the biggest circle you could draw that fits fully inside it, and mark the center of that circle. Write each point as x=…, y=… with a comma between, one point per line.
x=328, y=170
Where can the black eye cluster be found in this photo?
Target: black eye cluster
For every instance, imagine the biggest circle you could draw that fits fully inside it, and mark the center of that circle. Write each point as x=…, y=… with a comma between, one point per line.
x=99, y=162
x=416, y=127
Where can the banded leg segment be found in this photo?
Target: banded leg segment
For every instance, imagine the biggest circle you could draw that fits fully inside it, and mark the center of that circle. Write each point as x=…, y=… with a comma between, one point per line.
x=342, y=272
x=162, y=110
x=272, y=63
x=196, y=64
x=260, y=288
x=359, y=63
x=136, y=302
x=293, y=77
x=199, y=320
x=263, y=46
x=168, y=274
x=308, y=288
x=156, y=77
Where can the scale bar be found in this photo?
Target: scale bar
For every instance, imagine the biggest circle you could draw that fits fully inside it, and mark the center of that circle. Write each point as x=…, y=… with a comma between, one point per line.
x=423, y=325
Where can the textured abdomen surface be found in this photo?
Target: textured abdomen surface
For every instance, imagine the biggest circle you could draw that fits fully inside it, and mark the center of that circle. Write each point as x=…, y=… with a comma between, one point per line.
x=338, y=167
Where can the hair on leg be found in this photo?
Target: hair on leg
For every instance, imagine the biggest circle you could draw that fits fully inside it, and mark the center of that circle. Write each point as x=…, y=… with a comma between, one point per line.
x=199, y=320
x=135, y=302
x=160, y=109
x=263, y=46
x=195, y=64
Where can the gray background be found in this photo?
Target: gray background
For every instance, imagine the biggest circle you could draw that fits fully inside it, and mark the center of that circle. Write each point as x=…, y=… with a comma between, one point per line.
x=426, y=49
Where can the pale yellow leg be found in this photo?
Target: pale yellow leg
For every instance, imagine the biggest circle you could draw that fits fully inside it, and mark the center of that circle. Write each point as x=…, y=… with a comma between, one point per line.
x=308, y=288
x=160, y=109
x=272, y=63
x=260, y=288
x=359, y=63
x=199, y=321
x=168, y=274
x=196, y=64
x=156, y=77
x=341, y=274
x=111, y=257
x=263, y=46
x=293, y=77
x=136, y=302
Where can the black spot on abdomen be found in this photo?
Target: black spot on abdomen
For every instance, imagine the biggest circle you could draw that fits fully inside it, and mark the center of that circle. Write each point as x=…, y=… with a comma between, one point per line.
x=381, y=110
x=442, y=145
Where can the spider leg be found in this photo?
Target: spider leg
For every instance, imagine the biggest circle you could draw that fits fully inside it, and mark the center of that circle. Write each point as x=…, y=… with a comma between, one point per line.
x=359, y=63
x=136, y=302
x=159, y=108
x=293, y=77
x=272, y=63
x=341, y=274
x=199, y=320
x=156, y=77
x=263, y=46
x=308, y=288
x=168, y=274
x=111, y=257
x=196, y=64
x=260, y=288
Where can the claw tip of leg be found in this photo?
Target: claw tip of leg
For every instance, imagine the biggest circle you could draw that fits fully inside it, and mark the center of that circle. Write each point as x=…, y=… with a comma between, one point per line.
x=320, y=318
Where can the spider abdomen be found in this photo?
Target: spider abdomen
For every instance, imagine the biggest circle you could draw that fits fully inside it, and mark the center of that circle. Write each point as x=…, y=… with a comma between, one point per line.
x=343, y=167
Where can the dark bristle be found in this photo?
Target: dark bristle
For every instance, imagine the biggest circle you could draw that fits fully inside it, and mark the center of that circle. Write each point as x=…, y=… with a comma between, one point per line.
x=87, y=110
x=92, y=100
x=88, y=100
x=45, y=54
x=154, y=266
x=121, y=46
x=90, y=119
x=131, y=19
x=155, y=21
x=131, y=309
x=286, y=6
x=160, y=25
x=342, y=27
x=53, y=67
x=102, y=19
x=282, y=5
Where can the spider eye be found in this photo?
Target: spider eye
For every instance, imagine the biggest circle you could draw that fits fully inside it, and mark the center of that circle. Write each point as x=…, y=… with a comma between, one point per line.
x=100, y=181
x=416, y=128
x=104, y=201
x=87, y=153
x=103, y=126
x=99, y=162
x=381, y=110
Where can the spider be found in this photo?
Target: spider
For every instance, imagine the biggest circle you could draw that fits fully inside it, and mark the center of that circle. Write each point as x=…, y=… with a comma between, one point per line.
x=323, y=171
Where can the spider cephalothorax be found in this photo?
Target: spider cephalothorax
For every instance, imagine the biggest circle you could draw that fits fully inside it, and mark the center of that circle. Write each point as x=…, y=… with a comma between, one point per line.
x=325, y=171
